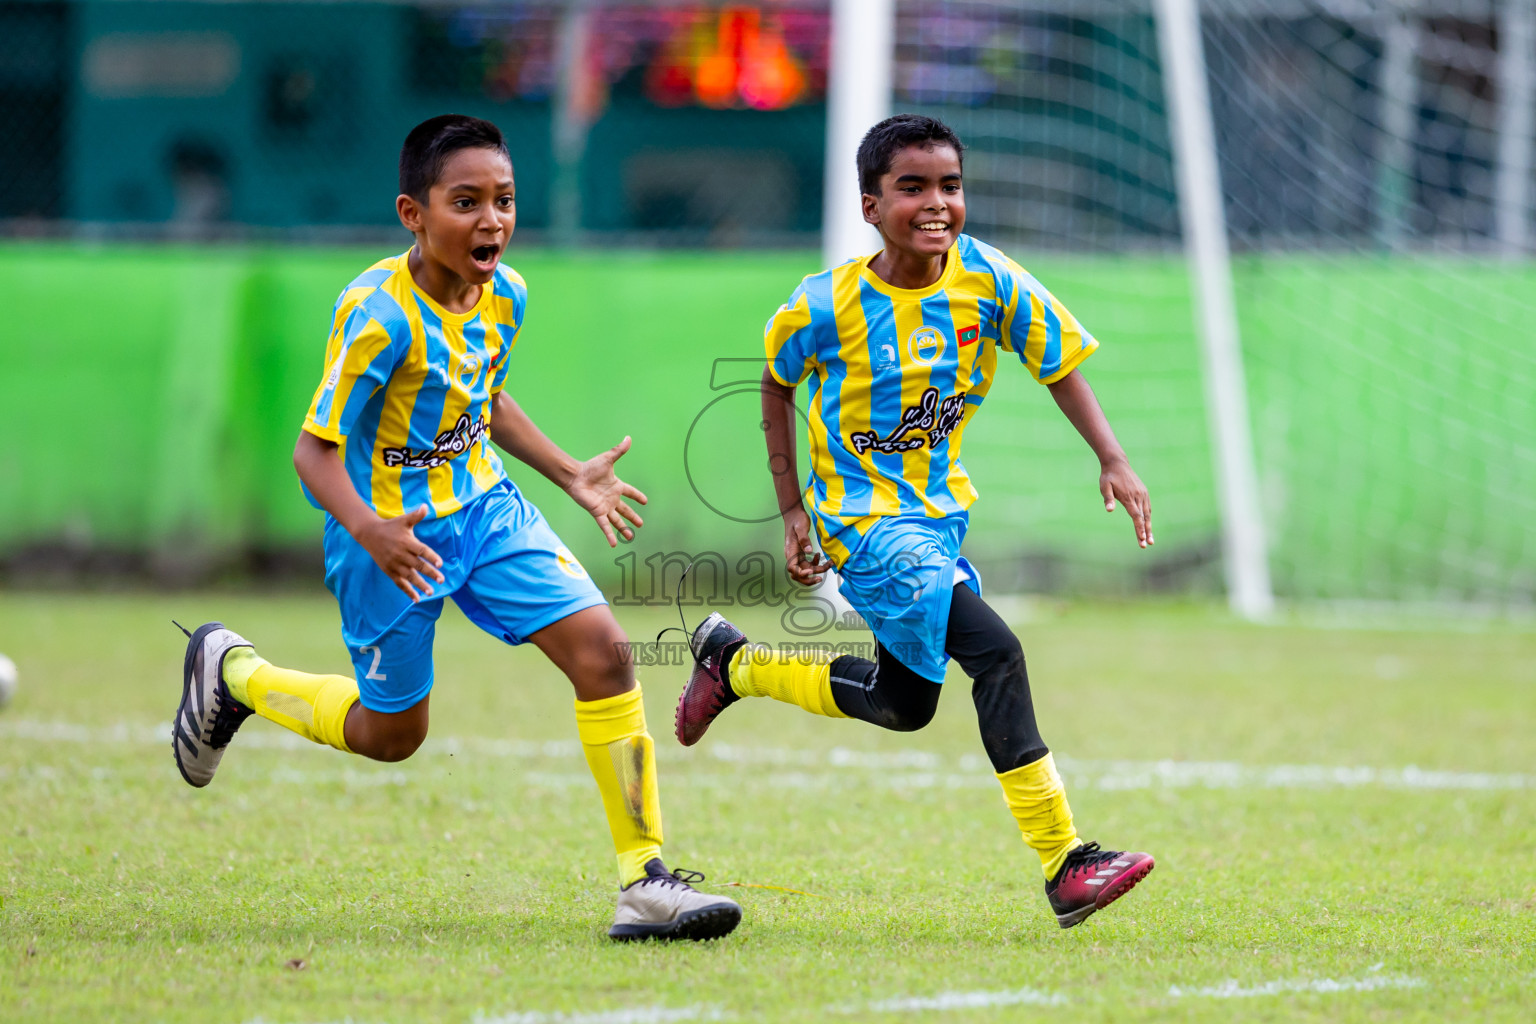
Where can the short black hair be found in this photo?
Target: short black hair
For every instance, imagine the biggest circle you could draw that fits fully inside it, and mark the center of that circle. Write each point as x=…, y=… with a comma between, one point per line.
x=889, y=137
x=432, y=142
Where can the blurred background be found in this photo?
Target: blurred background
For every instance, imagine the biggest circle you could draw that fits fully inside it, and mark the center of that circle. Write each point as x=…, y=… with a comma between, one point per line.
x=185, y=187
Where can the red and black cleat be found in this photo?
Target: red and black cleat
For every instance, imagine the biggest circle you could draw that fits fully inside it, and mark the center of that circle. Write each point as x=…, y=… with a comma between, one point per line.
x=708, y=691
x=1091, y=879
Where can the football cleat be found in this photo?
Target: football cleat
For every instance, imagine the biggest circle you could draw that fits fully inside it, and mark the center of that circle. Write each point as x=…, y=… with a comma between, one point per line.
x=208, y=716
x=663, y=905
x=1091, y=879
x=708, y=691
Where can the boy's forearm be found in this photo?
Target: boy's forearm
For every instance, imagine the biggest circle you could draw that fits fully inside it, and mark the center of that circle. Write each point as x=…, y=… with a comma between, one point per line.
x=520, y=437
x=779, y=433
x=320, y=467
x=1077, y=402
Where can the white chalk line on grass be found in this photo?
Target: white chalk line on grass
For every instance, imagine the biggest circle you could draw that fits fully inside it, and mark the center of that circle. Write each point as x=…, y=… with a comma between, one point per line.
x=1372, y=982
x=638, y=1015
x=939, y=1003
x=813, y=769
x=945, y=1002
x=962, y=1001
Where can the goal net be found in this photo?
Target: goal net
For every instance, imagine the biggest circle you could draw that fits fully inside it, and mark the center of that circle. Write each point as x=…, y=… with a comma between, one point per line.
x=1376, y=169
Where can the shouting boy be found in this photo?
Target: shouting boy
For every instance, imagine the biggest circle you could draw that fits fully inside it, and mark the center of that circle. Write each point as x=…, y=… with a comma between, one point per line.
x=900, y=348
x=396, y=450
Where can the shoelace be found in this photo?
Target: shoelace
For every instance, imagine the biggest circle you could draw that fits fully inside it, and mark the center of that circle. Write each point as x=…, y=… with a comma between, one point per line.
x=227, y=720
x=678, y=600
x=1086, y=857
x=677, y=876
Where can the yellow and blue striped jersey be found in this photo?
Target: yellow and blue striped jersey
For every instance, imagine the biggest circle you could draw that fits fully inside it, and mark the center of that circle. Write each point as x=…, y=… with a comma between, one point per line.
x=408, y=388
x=896, y=374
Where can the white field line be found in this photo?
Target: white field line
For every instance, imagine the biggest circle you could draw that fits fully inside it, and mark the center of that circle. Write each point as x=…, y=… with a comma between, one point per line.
x=963, y=1001
x=824, y=769
x=1372, y=982
x=638, y=1015
x=952, y=1001
x=664, y=1015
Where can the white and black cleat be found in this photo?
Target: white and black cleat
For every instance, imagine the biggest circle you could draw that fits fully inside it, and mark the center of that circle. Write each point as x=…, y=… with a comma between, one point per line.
x=208, y=716
x=662, y=905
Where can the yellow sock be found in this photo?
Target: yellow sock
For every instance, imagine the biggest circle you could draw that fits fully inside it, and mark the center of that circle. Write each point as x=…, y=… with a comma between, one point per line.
x=239, y=663
x=315, y=707
x=622, y=758
x=794, y=677
x=1038, y=801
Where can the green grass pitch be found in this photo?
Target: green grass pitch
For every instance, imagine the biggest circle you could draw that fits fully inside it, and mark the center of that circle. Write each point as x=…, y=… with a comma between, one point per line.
x=1344, y=823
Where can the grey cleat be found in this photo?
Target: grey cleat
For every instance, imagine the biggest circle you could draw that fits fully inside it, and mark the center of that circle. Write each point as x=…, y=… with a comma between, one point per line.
x=208, y=716
x=663, y=905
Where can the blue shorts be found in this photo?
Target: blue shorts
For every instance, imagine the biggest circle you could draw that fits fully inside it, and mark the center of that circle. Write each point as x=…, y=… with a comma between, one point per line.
x=505, y=569
x=901, y=577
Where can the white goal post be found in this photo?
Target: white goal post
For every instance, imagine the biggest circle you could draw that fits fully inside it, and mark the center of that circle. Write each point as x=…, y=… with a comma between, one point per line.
x=1244, y=554
x=860, y=82
x=860, y=78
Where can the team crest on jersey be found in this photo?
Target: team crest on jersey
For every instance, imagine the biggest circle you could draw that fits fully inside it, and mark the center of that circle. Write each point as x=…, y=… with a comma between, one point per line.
x=925, y=345
x=468, y=369
x=568, y=563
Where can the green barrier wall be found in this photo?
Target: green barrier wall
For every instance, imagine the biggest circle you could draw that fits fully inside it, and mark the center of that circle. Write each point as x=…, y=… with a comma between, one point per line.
x=150, y=397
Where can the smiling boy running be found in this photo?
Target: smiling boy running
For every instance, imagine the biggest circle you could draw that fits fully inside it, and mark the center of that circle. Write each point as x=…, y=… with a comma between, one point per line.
x=900, y=349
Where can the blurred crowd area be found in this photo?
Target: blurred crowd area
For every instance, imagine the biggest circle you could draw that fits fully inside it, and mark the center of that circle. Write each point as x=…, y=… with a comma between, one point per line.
x=702, y=121
x=1340, y=122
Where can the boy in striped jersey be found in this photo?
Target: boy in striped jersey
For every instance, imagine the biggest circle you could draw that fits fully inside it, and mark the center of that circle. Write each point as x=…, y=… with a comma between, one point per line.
x=900, y=349
x=396, y=449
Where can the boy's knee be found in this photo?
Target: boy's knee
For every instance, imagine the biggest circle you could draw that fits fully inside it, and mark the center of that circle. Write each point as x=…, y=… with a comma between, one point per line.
x=605, y=662
x=1003, y=662
x=395, y=738
x=1000, y=691
x=913, y=718
x=1012, y=655
x=399, y=745
x=916, y=711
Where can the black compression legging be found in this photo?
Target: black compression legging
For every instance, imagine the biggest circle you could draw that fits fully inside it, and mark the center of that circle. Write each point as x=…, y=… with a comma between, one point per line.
x=889, y=694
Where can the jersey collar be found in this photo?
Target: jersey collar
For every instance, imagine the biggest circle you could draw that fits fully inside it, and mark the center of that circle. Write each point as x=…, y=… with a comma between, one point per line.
x=951, y=268
x=439, y=311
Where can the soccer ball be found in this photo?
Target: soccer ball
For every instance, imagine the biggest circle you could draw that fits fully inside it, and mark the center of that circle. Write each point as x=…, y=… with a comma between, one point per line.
x=7, y=680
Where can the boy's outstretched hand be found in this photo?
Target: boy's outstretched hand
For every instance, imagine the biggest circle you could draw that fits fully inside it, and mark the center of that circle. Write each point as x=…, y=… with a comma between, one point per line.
x=1118, y=481
x=800, y=558
x=404, y=559
x=596, y=488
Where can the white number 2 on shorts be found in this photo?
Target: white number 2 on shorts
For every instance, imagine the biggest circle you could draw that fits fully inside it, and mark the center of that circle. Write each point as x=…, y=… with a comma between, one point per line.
x=373, y=670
